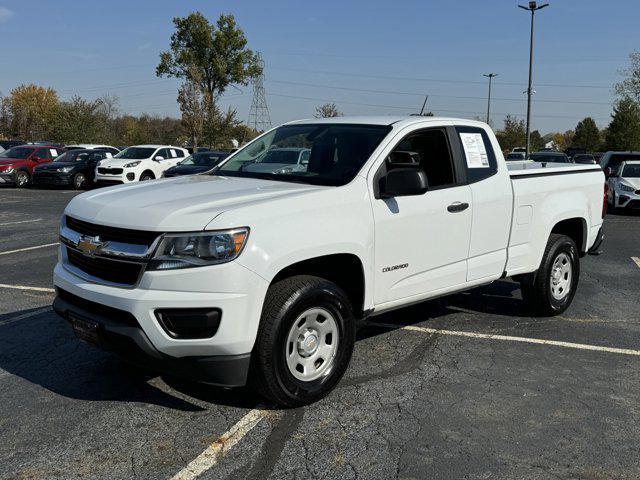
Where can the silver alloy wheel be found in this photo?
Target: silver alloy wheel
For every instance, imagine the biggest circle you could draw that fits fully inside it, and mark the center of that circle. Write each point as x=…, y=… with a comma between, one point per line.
x=22, y=179
x=561, y=276
x=79, y=180
x=312, y=345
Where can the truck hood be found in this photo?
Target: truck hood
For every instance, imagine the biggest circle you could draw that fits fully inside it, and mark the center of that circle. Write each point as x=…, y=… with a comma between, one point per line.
x=119, y=162
x=178, y=204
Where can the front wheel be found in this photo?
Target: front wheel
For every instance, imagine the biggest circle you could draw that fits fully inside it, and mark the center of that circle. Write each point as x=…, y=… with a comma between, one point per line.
x=22, y=179
x=305, y=341
x=550, y=290
x=146, y=176
x=79, y=181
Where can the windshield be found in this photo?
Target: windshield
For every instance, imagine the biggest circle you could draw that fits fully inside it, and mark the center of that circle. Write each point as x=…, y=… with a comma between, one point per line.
x=135, y=153
x=203, y=159
x=337, y=152
x=72, y=156
x=17, y=152
x=631, y=171
x=546, y=157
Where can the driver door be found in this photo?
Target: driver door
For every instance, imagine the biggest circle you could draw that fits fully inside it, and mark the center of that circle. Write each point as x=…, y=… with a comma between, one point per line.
x=422, y=241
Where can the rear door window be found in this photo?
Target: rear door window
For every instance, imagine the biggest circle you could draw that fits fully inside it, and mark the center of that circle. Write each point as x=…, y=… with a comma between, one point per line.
x=478, y=154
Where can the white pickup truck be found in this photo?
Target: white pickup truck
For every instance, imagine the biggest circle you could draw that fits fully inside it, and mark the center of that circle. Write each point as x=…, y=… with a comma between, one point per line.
x=238, y=276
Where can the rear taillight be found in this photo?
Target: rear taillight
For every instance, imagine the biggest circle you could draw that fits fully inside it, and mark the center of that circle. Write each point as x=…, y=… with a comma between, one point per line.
x=604, y=199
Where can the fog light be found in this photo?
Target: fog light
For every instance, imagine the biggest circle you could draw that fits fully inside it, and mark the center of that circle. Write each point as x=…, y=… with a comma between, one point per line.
x=189, y=323
x=130, y=176
x=623, y=198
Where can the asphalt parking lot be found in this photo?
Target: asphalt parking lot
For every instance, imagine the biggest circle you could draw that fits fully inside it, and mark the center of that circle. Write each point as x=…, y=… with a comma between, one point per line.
x=467, y=386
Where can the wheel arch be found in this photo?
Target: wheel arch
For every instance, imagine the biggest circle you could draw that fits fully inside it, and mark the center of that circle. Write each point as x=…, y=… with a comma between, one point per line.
x=344, y=269
x=150, y=172
x=574, y=228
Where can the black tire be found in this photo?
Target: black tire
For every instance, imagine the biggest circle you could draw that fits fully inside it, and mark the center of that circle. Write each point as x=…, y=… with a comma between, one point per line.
x=537, y=287
x=23, y=179
x=147, y=176
x=285, y=301
x=79, y=181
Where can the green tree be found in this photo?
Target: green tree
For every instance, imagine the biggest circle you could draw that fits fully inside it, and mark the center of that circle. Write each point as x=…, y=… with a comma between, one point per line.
x=623, y=132
x=630, y=86
x=512, y=134
x=536, y=141
x=215, y=56
x=191, y=99
x=328, y=110
x=79, y=121
x=587, y=135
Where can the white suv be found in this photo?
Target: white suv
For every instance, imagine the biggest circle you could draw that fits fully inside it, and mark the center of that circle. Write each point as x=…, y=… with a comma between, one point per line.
x=624, y=186
x=138, y=163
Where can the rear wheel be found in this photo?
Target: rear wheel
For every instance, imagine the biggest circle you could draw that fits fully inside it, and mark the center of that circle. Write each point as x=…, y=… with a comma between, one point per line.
x=22, y=179
x=79, y=181
x=550, y=290
x=305, y=341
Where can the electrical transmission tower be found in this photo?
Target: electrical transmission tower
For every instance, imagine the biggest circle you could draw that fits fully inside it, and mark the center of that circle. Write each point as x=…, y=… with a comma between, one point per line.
x=259, y=118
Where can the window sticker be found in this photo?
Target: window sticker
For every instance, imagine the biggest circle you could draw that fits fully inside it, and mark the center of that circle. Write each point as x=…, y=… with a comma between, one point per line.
x=474, y=150
x=54, y=152
x=173, y=153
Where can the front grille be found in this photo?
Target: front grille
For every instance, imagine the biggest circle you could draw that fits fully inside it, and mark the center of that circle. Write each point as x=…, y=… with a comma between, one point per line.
x=114, y=271
x=108, y=183
x=114, y=234
x=111, y=313
x=110, y=171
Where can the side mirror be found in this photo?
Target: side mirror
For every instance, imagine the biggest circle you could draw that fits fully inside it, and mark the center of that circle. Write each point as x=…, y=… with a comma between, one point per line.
x=158, y=158
x=402, y=182
x=608, y=172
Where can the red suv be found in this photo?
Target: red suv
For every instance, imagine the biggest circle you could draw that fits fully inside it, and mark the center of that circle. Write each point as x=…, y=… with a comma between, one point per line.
x=17, y=163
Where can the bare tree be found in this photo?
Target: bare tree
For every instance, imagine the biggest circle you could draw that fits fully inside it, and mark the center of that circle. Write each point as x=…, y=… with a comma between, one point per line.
x=191, y=99
x=327, y=110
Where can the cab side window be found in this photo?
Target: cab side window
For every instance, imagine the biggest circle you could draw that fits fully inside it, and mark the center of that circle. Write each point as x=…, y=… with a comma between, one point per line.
x=477, y=153
x=434, y=155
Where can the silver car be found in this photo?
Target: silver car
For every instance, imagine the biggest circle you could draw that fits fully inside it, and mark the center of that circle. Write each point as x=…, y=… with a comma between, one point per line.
x=624, y=186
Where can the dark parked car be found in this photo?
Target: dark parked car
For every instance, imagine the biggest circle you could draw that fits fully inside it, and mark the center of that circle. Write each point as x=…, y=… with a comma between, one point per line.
x=196, y=163
x=584, y=158
x=549, y=157
x=17, y=163
x=74, y=168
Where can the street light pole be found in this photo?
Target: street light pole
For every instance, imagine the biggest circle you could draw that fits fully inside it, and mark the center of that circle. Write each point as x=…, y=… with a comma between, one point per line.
x=533, y=7
x=490, y=77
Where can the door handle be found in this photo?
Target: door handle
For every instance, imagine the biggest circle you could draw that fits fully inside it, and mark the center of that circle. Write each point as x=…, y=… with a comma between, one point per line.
x=457, y=207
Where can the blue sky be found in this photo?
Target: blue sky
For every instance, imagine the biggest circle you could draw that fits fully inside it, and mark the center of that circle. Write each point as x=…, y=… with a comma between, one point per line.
x=367, y=57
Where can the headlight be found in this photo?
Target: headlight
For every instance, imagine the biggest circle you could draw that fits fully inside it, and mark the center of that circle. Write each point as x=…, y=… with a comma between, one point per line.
x=131, y=165
x=8, y=170
x=65, y=169
x=285, y=170
x=185, y=250
x=626, y=188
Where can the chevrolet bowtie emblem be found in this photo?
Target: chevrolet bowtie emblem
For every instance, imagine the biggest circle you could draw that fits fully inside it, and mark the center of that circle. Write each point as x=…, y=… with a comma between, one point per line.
x=89, y=245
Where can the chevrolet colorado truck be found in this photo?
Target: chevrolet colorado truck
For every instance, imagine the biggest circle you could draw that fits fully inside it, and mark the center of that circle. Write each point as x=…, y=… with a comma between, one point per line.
x=238, y=277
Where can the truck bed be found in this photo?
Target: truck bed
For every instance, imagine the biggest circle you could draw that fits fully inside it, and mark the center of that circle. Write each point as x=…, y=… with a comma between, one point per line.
x=528, y=168
x=545, y=194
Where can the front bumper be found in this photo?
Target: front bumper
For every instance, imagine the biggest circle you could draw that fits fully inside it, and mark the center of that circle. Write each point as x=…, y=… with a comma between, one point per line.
x=236, y=291
x=7, y=178
x=51, y=179
x=121, y=335
x=630, y=200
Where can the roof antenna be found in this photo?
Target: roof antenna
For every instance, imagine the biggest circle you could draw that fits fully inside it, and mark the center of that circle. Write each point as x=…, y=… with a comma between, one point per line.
x=424, y=104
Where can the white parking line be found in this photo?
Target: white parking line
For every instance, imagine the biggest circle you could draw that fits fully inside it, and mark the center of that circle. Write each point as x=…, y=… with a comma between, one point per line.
x=535, y=341
x=214, y=453
x=26, y=287
x=24, y=316
x=20, y=221
x=28, y=248
x=636, y=260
